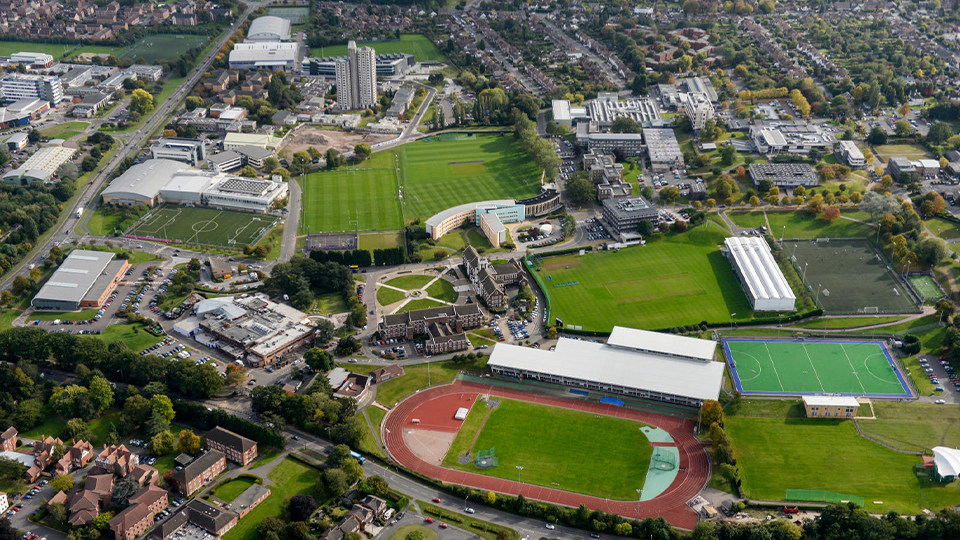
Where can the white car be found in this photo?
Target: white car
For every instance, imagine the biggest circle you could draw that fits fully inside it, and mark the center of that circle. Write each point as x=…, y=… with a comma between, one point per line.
x=551, y=526
x=469, y=510
x=939, y=402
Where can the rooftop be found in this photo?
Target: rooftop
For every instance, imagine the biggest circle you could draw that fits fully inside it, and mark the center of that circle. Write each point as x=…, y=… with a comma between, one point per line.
x=71, y=281
x=831, y=401
x=761, y=273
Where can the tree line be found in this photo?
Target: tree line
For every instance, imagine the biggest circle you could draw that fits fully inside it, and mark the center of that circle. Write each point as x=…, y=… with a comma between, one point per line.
x=303, y=279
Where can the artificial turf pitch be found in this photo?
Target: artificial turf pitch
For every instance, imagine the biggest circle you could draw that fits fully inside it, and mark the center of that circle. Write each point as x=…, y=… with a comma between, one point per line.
x=675, y=281
x=781, y=367
x=926, y=287
x=851, y=277
x=206, y=226
x=559, y=448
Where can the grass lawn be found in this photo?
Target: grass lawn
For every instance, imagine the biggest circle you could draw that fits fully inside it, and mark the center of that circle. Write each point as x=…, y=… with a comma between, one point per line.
x=386, y=296
x=368, y=444
x=440, y=172
x=402, y=532
x=273, y=242
x=266, y=455
x=776, y=454
x=52, y=425
x=82, y=315
x=206, y=226
x=57, y=51
x=422, y=49
x=363, y=197
x=453, y=241
x=718, y=221
x=914, y=427
x=134, y=257
x=943, y=228
x=385, y=240
x=803, y=225
x=748, y=220
x=232, y=489
x=443, y=290
x=65, y=131
x=420, y=303
x=411, y=282
x=288, y=478
x=105, y=220
x=158, y=47
x=132, y=334
x=591, y=466
x=677, y=280
x=918, y=375
x=910, y=151
x=477, y=239
x=391, y=392
x=331, y=303
x=7, y=316
x=845, y=322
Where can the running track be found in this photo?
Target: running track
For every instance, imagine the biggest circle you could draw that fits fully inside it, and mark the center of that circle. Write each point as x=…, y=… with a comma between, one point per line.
x=671, y=505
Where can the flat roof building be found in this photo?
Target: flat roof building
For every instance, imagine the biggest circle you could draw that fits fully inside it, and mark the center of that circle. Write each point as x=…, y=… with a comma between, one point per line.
x=225, y=161
x=22, y=112
x=830, y=406
x=784, y=174
x=141, y=184
x=387, y=65
x=759, y=274
x=17, y=86
x=264, y=54
x=623, y=215
x=608, y=107
x=41, y=166
x=401, y=100
x=85, y=279
x=189, y=151
x=630, y=144
x=233, y=140
x=636, y=363
x=789, y=136
x=848, y=152
x=663, y=149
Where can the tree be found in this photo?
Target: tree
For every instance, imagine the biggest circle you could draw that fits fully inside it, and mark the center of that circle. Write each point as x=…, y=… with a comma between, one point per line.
x=623, y=529
x=188, y=442
x=754, y=201
x=939, y=132
x=877, y=137
x=284, y=174
x=319, y=359
x=580, y=189
x=301, y=160
x=623, y=124
x=33, y=136
x=161, y=443
x=162, y=405
x=334, y=483
x=58, y=512
x=902, y=128
x=76, y=429
x=102, y=521
x=375, y=485
x=136, y=410
x=552, y=332
x=878, y=204
x=141, y=101
x=156, y=424
x=101, y=393
x=123, y=489
x=63, y=482
x=831, y=213
x=271, y=163
x=727, y=154
x=362, y=151
x=711, y=412
x=932, y=251
x=301, y=507
x=645, y=228
x=248, y=172
x=192, y=102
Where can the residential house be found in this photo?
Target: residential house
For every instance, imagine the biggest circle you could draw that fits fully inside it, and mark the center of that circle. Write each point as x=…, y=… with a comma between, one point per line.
x=386, y=373
x=85, y=505
x=146, y=475
x=236, y=448
x=117, y=460
x=8, y=440
x=74, y=457
x=198, y=472
x=135, y=519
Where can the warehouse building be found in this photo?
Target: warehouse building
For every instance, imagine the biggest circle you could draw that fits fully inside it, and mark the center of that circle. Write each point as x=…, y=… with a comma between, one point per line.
x=782, y=175
x=190, y=151
x=141, y=184
x=22, y=112
x=233, y=141
x=635, y=363
x=663, y=149
x=40, y=167
x=84, y=280
x=760, y=277
x=268, y=28
x=623, y=215
x=264, y=55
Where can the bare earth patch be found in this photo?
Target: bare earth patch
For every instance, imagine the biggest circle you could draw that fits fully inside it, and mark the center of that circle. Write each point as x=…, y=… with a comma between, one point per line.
x=321, y=139
x=427, y=445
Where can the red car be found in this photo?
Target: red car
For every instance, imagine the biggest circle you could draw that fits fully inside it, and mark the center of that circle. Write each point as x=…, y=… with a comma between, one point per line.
x=443, y=525
x=436, y=499
x=428, y=520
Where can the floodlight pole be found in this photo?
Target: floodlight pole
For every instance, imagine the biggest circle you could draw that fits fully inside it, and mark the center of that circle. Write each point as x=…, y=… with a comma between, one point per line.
x=817, y=303
x=732, y=315
x=794, y=252
x=782, y=234
x=639, y=498
x=804, y=278
x=779, y=324
x=519, y=489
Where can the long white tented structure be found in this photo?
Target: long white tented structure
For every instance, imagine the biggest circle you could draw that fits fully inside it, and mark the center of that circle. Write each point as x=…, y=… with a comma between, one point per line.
x=947, y=461
x=634, y=363
x=759, y=275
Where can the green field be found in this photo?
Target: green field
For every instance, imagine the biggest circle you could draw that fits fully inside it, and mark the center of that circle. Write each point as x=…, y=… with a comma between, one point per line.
x=431, y=182
x=288, y=478
x=812, y=367
x=386, y=296
x=57, y=51
x=416, y=377
x=927, y=287
x=152, y=48
x=850, y=277
x=420, y=303
x=776, y=454
x=422, y=49
x=415, y=281
x=748, y=220
x=443, y=290
x=943, y=228
x=294, y=14
x=909, y=151
x=366, y=197
x=844, y=322
x=548, y=443
x=352, y=198
x=914, y=427
x=232, y=489
x=223, y=228
x=805, y=225
x=65, y=131
x=132, y=335
x=385, y=240
x=678, y=280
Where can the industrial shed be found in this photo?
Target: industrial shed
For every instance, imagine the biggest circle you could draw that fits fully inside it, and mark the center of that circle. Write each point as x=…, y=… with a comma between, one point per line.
x=759, y=275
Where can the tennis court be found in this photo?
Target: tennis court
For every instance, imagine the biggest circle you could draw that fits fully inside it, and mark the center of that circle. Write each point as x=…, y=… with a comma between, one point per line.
x=850, y=276
x=793, y=368
x=926, y=287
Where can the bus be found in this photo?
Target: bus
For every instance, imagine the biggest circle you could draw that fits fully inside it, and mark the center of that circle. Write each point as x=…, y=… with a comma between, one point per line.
x=354, y=268
x=360, y=459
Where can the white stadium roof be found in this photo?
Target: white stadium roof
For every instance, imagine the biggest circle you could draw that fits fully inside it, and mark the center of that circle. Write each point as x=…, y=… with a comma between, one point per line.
x=947, y=461
x=269, y=28
x=760, y=273
x=610, y=365
x=665, y=344
x=143, y=181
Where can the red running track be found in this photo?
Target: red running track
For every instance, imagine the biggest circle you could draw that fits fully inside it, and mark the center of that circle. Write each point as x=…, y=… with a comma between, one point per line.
x=671, y=505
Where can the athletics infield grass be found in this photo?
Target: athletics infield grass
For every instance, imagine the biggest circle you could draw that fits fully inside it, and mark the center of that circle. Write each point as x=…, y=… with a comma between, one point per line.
x=559, y=448
x=678, y=280
x=205, y=226
x=780, y=367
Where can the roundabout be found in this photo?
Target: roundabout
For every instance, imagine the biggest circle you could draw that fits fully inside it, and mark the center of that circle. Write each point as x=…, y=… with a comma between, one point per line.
x=421, y=420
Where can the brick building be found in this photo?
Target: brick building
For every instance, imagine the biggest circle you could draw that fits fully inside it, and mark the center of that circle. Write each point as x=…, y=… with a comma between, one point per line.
x=236, y=448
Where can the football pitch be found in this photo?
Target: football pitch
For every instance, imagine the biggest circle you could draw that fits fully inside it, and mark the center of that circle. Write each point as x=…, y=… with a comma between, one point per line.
x=419, y=45
x=436, y=174
x=676, y=281
x=792, y=368
x=926, y=287
x=206, y=226
x=851, y=276
x=577, y=451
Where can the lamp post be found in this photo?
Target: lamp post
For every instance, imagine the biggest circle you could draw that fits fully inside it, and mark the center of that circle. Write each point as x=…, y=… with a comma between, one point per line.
x=779, y=324
x=782, y=234
x=519, y=489
x=817, y=302
x=639, y=498
x=732, y=315
x=804, y=278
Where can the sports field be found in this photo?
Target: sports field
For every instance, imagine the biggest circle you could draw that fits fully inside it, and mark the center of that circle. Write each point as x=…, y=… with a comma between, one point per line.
x=851, y=276
x=436, y=174
x=457, y=168
x=8, y=48
x=162, y=47
x=570, y=450
x=926, y=287
x=422, y=49
x=363, y=197
x=206, y=226
x=294, y=14
x=780, y=367
x=675, y=281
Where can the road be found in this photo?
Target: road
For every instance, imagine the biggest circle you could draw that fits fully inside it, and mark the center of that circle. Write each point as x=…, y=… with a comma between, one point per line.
x=129, y=146
x=614, y=77
x=288, y=244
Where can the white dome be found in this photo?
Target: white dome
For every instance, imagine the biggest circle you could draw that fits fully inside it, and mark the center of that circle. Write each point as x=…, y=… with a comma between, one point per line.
x=546, y=229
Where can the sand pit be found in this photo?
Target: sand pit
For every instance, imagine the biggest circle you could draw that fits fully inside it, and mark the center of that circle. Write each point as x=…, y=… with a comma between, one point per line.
x=427, y=445
x=322, y=139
